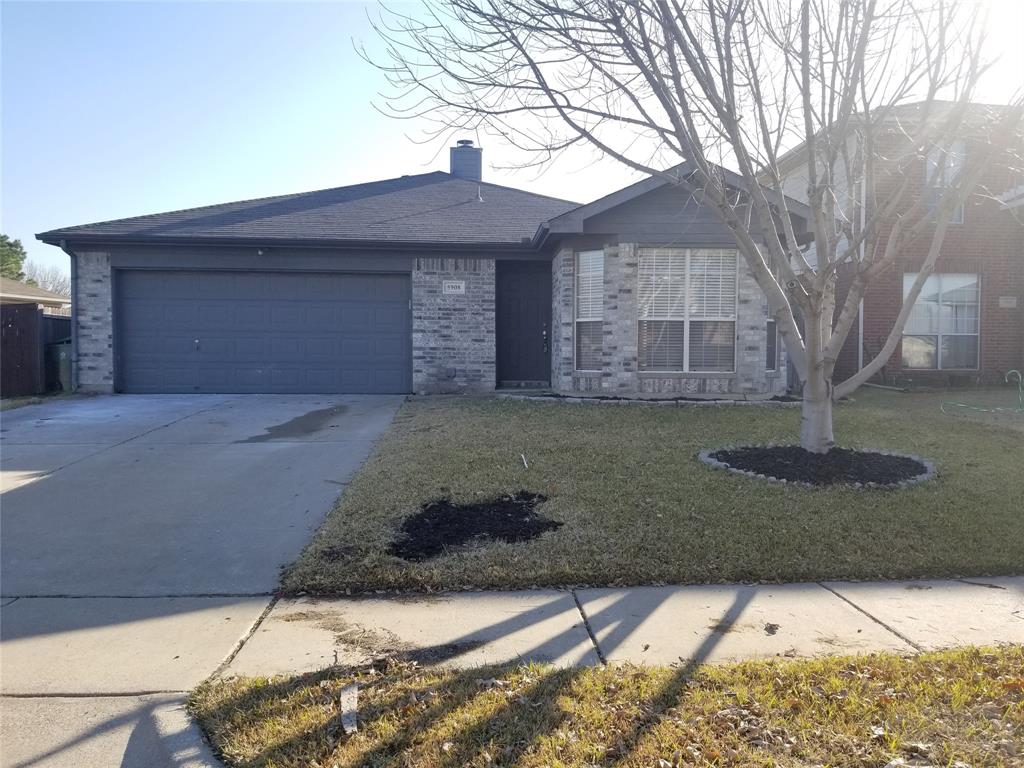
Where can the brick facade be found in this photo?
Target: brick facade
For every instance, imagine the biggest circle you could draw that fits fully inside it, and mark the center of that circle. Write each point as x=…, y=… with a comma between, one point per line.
x=990, y=244
x=620, y=372
x=94, y=322
x=453, y=339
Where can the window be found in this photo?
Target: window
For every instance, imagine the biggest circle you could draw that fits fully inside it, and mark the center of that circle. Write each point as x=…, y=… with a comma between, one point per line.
x=942, y=330
x=687, y=310
x=941, y=172
x=589, y=309
x=771, y=349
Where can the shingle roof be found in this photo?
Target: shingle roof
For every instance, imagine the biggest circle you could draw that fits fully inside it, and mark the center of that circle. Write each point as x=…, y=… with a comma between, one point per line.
x=427, y=208
x=12, y=289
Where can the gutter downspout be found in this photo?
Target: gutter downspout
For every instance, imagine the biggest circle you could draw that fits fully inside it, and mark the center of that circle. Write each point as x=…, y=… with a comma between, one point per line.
x=74, y=314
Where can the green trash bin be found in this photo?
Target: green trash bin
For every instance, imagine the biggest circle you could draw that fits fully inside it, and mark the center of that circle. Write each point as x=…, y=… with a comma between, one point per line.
x=58, y=366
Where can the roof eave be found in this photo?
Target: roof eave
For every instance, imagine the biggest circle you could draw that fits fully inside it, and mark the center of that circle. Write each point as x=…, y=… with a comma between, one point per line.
x=74, y=239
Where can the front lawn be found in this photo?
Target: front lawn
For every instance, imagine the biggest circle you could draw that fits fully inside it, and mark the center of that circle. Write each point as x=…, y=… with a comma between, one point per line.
x=637, y=506
x=936, y=709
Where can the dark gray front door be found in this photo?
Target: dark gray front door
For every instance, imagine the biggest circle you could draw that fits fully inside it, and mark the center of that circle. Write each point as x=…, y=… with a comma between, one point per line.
x=523, y=323
x=261, y=332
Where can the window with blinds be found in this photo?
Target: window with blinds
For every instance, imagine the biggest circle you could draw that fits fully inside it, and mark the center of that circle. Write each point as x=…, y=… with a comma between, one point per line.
x=687, y=309
x=589, y=309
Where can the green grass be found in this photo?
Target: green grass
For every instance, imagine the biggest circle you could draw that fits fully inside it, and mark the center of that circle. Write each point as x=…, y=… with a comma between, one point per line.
x=856, y=712
x=639, y=508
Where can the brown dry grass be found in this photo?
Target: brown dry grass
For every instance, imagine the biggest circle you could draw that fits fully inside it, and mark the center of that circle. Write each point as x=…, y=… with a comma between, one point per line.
x=857, y=712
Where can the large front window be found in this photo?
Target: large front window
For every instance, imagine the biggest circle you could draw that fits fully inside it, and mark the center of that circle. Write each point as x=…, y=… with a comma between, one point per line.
x=589, y=309
x=687, y=309
x=942, y=330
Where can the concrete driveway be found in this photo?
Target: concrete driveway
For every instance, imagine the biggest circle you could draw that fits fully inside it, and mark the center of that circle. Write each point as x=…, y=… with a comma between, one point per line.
x=142, y=537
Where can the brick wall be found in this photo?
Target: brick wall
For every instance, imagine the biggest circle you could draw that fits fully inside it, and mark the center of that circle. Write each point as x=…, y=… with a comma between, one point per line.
x=453, y=341
x=989, y=243
x=562, y=318
x=94, y=320
x=620, y=370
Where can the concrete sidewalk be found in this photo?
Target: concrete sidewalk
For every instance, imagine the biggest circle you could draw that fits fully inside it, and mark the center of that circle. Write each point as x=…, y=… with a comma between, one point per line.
x=643, y=625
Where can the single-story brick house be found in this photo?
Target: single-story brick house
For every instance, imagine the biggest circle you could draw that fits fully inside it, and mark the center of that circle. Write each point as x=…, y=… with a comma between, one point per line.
x=438, y=282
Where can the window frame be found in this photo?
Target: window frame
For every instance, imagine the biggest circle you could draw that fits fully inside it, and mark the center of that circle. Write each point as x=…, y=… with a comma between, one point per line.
x=939, y=334
x=775, y=324
x=958, y=149
x=686, y=318
x=576, y=319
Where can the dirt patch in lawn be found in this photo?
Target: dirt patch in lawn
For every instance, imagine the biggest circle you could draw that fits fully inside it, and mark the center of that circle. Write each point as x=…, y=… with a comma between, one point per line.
x=441, y=525
x=840, y=466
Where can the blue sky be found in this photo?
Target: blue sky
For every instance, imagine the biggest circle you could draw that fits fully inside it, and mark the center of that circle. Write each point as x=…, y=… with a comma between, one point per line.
x=118, y=109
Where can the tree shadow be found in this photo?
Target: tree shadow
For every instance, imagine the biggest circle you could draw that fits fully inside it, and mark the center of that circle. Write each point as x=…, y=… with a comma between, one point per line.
x=507, y=728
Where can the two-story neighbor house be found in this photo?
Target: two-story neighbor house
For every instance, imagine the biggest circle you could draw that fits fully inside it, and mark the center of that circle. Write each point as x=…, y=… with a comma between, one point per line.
x=439, y=282
x=968, y=322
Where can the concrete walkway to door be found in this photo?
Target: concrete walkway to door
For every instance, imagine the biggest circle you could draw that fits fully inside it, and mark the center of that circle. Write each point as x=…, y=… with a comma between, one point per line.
x=142, y=539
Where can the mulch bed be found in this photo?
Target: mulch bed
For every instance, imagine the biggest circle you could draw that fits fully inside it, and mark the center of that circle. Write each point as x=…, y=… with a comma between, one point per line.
x=840, y=466
x=441, y=525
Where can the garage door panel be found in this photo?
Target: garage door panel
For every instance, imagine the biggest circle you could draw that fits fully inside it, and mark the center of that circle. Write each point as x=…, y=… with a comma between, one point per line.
x=389, y=319
x=262, y=332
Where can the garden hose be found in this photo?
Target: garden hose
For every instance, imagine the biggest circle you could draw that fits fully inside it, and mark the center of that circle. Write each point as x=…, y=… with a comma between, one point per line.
x=1019, y=410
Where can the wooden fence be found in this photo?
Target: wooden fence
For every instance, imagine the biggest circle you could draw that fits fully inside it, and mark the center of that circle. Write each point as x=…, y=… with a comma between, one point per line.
x=24, y=333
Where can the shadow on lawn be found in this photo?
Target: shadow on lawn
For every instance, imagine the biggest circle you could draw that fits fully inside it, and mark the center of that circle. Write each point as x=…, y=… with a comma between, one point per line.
x=508, y=730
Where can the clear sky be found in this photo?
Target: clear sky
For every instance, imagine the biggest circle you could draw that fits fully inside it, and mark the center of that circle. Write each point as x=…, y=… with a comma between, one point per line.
x=118, y=109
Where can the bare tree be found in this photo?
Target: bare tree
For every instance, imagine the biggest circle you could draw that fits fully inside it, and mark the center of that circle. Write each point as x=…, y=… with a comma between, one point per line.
x=49, y=278
x=681, y=88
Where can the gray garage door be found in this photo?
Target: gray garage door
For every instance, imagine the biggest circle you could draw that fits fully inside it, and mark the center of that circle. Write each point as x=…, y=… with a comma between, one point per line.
x=262, y=332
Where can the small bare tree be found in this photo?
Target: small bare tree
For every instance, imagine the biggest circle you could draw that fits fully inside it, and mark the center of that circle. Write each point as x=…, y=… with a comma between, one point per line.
x=682, y=88
x=49, y=278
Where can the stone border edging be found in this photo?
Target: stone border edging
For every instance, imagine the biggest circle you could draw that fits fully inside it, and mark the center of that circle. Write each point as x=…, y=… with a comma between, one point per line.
x=644, y=401
x=928, y=474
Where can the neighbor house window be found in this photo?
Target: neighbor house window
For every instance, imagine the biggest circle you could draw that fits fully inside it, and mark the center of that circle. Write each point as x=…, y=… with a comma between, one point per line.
x=771, y=346
x=687, y=310
x=942, y=330
x=589, y=309
x=941, y=173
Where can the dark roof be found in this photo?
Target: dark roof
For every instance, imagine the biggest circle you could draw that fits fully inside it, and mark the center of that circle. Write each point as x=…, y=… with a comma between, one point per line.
x=572, y=220
x=12, y=290
x=426, y=208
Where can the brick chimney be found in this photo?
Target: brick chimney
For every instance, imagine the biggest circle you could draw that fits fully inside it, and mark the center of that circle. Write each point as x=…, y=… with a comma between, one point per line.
x=466, y=160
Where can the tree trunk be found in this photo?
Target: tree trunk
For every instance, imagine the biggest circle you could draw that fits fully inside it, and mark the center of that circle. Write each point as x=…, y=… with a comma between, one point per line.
x=816, y=415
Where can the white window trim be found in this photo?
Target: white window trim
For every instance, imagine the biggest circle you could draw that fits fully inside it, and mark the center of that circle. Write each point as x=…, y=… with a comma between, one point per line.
x=939, y=334
x=576, y=319
x=685, y=319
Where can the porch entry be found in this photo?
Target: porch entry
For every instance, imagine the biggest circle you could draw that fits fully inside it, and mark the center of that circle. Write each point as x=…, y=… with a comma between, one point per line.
x=523, y=323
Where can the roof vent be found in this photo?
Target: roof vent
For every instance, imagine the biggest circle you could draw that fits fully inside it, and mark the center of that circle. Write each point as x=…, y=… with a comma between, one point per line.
x=466, y=160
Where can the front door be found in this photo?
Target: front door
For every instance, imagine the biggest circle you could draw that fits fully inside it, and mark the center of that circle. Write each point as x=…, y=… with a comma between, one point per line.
x=523, y=323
